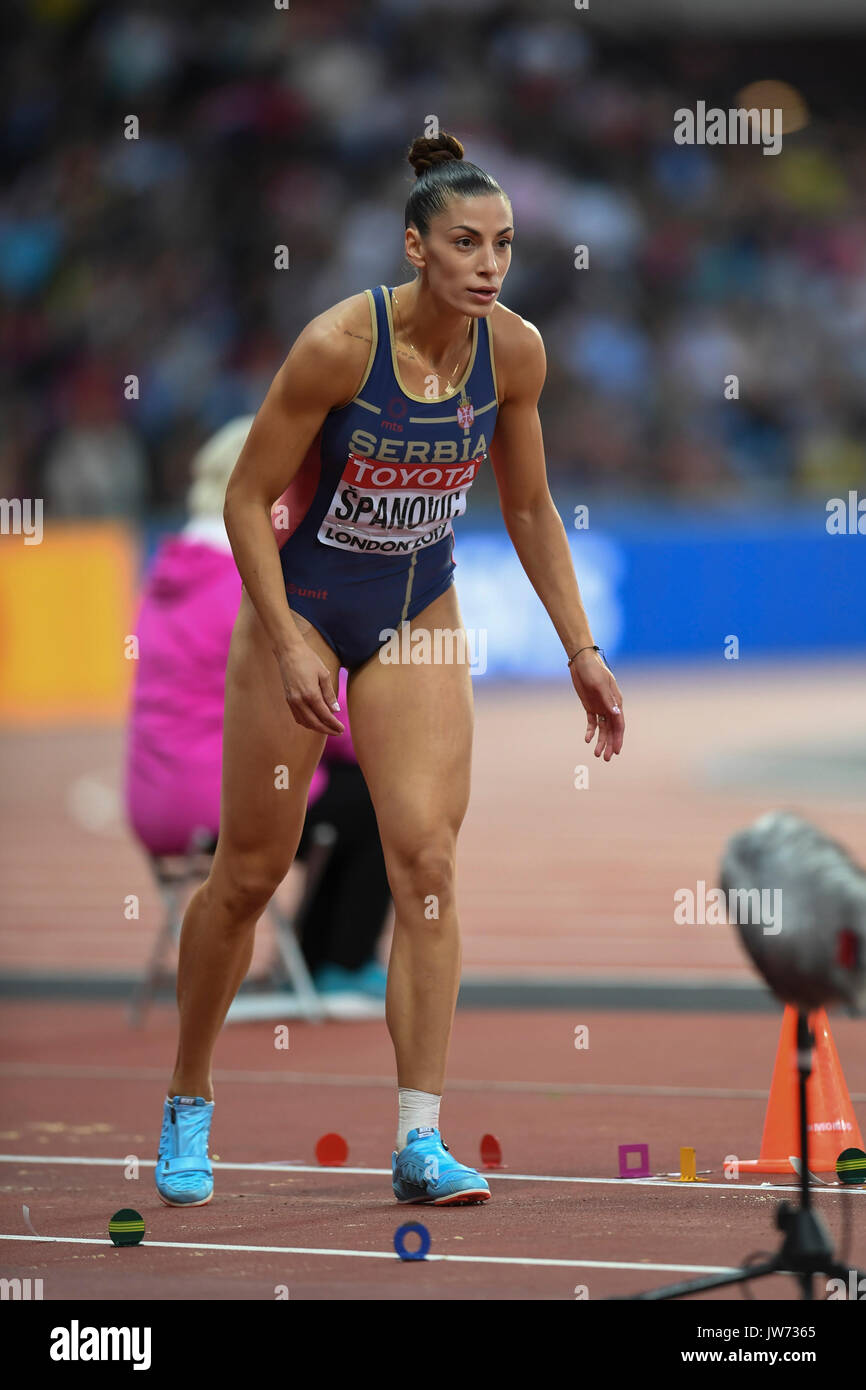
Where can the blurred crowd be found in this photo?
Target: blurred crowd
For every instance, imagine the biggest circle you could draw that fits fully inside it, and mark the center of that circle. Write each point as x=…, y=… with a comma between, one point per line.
x=141, y=305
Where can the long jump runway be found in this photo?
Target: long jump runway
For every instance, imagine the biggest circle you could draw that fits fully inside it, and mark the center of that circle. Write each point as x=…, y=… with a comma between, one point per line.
x=561, y=1224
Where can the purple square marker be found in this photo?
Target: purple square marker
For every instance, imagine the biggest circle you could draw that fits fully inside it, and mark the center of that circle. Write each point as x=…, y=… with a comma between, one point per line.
x=643, y=1169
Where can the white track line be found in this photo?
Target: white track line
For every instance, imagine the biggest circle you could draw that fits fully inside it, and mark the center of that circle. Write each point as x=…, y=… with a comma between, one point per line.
x=731, y=1186
x=386, y=1255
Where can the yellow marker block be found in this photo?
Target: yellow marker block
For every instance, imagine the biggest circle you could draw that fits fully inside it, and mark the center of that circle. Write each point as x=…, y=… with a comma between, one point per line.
x=688, y=1166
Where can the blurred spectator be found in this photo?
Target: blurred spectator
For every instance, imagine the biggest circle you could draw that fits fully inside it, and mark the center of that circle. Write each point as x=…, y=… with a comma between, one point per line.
x=188, y=609
x=152, y=252
x=95, y=466
x=174, y=749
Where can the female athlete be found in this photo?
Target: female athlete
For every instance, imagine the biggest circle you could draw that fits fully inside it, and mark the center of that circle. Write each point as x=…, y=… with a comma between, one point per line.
x=339, y=513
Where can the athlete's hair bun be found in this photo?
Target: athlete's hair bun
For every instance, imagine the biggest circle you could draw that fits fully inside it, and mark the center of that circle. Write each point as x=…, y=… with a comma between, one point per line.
x=456, y=178
x=428, y=151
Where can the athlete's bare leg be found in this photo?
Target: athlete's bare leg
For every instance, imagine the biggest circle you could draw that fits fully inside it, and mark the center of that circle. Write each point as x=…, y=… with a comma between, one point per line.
x=260, y=828
x=412, y=731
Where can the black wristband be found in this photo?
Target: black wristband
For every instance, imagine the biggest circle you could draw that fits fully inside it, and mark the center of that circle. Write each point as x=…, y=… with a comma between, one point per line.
x=590, y=648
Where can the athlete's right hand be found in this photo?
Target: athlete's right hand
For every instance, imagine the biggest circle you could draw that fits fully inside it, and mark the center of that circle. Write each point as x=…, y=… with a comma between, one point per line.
x=309, y=692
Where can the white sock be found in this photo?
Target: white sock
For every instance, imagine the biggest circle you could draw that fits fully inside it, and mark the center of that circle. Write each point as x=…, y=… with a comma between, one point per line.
x=415, y=1108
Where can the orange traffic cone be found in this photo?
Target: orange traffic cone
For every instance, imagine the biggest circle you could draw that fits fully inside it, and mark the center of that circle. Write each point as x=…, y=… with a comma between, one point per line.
x=832, y=1123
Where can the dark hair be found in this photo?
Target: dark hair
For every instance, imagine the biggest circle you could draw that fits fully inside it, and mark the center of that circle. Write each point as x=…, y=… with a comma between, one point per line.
x=442, y=174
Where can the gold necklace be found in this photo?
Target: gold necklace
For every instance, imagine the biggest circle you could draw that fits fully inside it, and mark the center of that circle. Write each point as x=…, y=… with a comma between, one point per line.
x=448, y=387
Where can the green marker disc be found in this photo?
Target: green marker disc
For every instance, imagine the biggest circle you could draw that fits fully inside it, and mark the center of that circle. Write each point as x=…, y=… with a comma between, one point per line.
x=851, y=1166
x=126, y=1227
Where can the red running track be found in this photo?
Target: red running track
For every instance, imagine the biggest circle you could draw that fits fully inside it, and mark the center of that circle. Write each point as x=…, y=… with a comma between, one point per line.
x=77, y=1083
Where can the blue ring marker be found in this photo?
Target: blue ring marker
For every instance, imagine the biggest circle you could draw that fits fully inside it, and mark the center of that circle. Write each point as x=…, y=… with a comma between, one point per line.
x=402, y=1231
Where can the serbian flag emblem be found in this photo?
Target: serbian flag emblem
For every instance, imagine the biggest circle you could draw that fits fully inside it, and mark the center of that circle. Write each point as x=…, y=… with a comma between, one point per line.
x=465, y=415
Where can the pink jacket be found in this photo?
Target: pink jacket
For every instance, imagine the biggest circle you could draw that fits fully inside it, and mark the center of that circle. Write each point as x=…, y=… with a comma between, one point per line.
x=174, y=746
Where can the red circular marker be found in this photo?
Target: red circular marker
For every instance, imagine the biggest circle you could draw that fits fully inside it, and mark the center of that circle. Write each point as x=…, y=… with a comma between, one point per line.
x=491, y=1151
x=332, y=1150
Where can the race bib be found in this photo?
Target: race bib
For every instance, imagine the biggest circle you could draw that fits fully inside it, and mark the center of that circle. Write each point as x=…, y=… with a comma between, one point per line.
x=395, y=508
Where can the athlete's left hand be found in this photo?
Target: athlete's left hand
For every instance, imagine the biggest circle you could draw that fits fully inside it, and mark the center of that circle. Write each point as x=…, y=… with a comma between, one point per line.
x=599, y=695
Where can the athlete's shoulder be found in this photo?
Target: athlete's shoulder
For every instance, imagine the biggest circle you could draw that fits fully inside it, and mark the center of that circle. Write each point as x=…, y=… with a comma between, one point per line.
x=346, y=318
x=339, y=341
x=344, y=330
x=521, y=362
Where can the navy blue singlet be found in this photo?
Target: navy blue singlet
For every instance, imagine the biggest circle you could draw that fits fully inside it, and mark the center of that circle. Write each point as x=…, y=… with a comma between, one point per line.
x=369, y=541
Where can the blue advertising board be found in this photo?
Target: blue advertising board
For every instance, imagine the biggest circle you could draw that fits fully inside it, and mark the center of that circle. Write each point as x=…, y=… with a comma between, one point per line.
x=665, y=583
